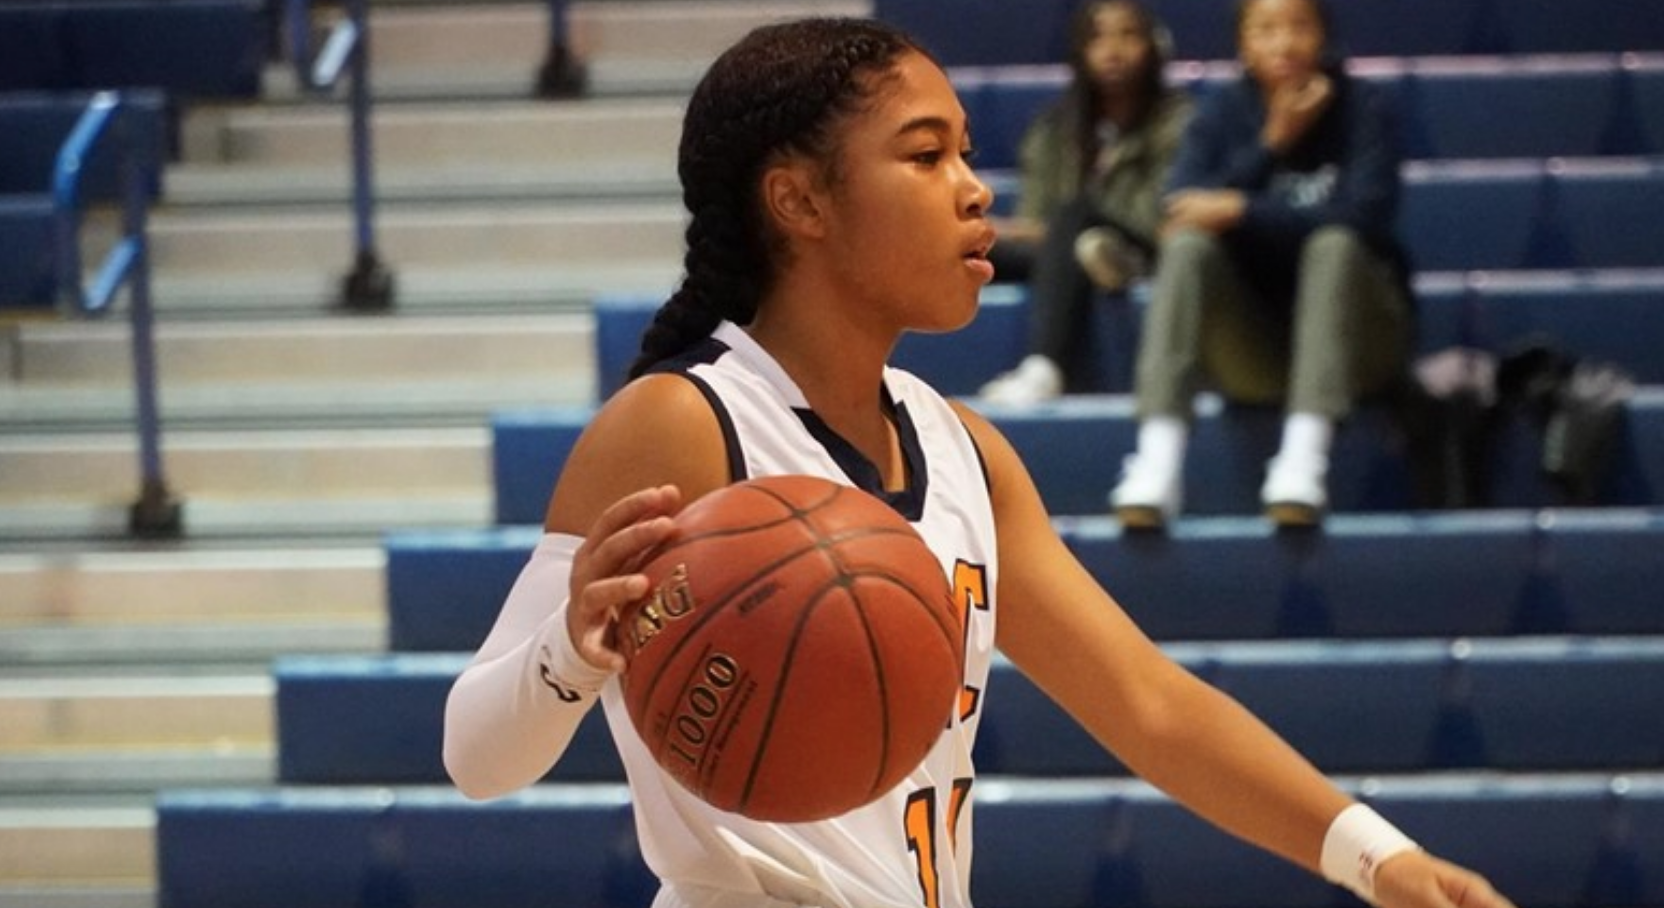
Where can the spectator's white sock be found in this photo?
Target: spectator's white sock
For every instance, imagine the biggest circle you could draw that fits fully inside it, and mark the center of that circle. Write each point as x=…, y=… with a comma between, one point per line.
x=1306, y=440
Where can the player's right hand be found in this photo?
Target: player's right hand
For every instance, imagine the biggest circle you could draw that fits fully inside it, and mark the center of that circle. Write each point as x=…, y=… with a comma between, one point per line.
x=605, y=578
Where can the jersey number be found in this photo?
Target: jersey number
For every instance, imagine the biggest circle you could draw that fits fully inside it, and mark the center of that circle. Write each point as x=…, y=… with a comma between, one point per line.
x=920, y=820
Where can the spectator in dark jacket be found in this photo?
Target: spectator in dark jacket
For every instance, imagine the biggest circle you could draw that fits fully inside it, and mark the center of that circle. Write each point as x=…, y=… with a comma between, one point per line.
x=1280, y=279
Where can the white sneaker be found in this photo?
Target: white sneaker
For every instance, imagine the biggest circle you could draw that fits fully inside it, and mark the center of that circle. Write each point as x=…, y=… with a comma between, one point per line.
x=1110, y=261
x=1294, y=493
x=1149, y=495
x=1036, y=379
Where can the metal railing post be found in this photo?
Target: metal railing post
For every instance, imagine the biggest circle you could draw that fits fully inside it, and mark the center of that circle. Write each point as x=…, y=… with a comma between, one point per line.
x=155, y=514
x=562, y=75
x=368, y=286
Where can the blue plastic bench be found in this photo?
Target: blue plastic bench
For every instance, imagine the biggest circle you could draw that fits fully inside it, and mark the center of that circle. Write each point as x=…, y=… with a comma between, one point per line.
x=990, y=32
x=188, y=48
x=1461, y=574
x=1579, y=839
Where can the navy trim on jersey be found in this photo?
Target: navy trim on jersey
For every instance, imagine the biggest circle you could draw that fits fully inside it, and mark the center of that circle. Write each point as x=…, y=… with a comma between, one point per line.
x=981, y=461
x=706, y=352
x=909, y=502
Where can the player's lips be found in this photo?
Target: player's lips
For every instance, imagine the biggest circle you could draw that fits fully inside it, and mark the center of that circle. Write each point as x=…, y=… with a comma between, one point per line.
x=977, y=255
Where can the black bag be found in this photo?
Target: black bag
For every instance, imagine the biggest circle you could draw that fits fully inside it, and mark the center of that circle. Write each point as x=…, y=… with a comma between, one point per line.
x=1579, y=408
x=1459, y=399
x=1450, y=416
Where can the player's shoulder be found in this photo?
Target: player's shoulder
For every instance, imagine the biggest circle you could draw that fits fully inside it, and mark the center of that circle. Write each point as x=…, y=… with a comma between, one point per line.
x=659, y=429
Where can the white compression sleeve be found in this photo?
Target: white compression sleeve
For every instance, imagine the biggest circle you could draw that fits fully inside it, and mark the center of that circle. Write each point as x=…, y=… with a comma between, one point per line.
x=513, y=710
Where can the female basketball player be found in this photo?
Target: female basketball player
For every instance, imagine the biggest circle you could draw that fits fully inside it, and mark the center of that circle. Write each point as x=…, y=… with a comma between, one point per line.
x=826, y=167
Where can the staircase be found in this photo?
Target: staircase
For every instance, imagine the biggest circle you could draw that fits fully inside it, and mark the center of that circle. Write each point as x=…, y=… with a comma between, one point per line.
x=296, y=434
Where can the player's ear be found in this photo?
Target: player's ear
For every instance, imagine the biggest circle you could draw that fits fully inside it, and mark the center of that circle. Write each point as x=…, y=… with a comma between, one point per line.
x=791, y=198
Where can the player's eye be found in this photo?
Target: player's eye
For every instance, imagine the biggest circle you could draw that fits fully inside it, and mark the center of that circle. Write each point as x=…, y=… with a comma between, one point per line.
x=928, y=158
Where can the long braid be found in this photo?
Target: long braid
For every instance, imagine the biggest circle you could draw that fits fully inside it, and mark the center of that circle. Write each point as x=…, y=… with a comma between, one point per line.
x=781, y=88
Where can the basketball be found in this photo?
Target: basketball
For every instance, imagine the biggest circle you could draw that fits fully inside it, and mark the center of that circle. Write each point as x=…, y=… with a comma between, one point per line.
x=799, y=653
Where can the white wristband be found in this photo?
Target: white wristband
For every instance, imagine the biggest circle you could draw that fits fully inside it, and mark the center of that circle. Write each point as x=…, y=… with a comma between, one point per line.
x=560, y=666
x=1357, y=843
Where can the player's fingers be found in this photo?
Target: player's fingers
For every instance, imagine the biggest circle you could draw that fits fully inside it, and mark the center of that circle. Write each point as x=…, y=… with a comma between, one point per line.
x=628, y=529
x=594, y=615
x=634, y=508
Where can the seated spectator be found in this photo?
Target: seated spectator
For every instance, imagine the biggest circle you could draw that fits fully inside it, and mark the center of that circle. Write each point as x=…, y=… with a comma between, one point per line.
x=1281, y=279
x=1092, y=170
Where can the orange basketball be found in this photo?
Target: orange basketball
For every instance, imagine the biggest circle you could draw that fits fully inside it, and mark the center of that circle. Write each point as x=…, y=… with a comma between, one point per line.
x=799, y=654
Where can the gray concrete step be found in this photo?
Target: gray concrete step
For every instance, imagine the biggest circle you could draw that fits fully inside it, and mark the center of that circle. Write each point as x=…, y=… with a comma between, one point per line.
x=104, y=854
x=310, y=351
x=495, y=50
x=469, y=236
x=251, y=483
x=255, y=370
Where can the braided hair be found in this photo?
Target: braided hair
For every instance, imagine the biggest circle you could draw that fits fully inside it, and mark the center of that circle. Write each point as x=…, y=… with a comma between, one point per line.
x=782, y=88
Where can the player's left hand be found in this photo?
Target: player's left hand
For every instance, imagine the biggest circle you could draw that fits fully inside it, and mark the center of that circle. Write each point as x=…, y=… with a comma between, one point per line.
x=1416, y=879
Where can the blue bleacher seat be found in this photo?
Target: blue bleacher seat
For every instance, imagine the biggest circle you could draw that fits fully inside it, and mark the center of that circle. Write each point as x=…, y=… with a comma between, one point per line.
x=28, y=261
x=1574, y=213
x=378, y=720
x=1352, y=706
x=1467, y=215
x=1367, y=473
x=1645, y=82
x=33, y=129
x=34, y=125
x=1607, y=212
x=1503, y=107
x=1609, y=315
x=189, y=48
x=454, y=581
x=1559, y=26
x=398, y=846
x=1535, y=837
x=1365, y=576
x=1594, y=694
x=1001, y=102
x=1570, y=105
x=1039, y=844
x=1204, y=29
x=1606, y=576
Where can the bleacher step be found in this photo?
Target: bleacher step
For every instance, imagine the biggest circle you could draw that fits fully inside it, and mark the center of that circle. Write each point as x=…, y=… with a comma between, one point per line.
x=465, y=235
x=77, y=895
x=457, y=403
x=510, y=134
x=42, y=715
x=97, y=842
x=136, y=588
x=313, y=350
x=252, y=466
x=99, y=771
x=356, y=518
x=495, y=50
x=184, y=644
x=99, y=848
x=484, y=288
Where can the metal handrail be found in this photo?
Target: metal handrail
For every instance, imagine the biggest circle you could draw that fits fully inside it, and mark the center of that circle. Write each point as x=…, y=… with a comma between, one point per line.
x=369, y=286
x=562, y=74
x=127, y=265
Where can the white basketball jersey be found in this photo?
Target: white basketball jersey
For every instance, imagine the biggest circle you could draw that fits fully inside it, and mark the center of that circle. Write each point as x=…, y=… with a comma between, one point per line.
x=912, y=846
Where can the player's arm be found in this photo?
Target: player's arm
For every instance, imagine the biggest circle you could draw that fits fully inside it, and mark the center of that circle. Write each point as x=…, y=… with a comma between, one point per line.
x=514, y=709
x=1068, y=635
